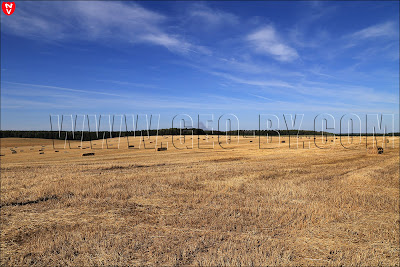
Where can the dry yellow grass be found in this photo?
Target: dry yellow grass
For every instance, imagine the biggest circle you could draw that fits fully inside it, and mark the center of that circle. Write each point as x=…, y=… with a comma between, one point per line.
x=198, y=207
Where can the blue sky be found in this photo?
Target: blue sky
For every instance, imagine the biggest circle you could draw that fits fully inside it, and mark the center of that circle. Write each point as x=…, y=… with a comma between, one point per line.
x=167, y=58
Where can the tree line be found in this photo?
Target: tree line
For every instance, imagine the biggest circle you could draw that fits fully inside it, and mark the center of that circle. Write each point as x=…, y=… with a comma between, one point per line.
x=86, y=136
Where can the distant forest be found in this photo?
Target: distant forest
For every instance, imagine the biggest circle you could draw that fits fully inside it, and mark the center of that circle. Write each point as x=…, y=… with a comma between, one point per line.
x=172, y=131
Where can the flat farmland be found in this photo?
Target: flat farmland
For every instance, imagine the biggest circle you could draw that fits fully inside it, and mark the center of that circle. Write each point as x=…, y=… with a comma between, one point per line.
x=237, y=206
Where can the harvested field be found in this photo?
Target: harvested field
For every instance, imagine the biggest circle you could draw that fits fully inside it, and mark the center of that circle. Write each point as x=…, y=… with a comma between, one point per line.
x=240, y=206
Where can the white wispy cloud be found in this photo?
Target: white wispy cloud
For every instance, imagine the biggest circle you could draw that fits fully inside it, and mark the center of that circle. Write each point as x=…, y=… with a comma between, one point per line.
x=261, y=83
x=387, y=29
x=265, y=98
x=212, y=16
x=26, y=85
x=267, y=41
x=173, y=43
x=346, y=93
x=141, y=85
x=100, y=21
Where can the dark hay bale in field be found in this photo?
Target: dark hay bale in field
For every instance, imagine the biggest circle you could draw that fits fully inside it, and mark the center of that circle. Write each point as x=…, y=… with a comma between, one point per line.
x=131, y=146
x=14, y=152
x=283, y=141
x=87, y=154
x=251, y=141
x=56, y=151
x=375, y=150
x=41, y=153
x=161, y=149
x=1, y=155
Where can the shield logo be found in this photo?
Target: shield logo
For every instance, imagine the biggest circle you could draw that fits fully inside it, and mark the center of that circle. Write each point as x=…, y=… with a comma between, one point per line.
x=8, y=8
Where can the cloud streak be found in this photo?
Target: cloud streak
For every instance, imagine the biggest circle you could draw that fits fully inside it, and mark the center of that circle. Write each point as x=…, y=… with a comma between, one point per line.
x=212, y=17
x=386, y=29
x=62, y=88
x=260, y=83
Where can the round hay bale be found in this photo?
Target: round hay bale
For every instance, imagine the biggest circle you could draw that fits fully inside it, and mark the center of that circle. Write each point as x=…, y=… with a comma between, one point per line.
x=375, y=150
